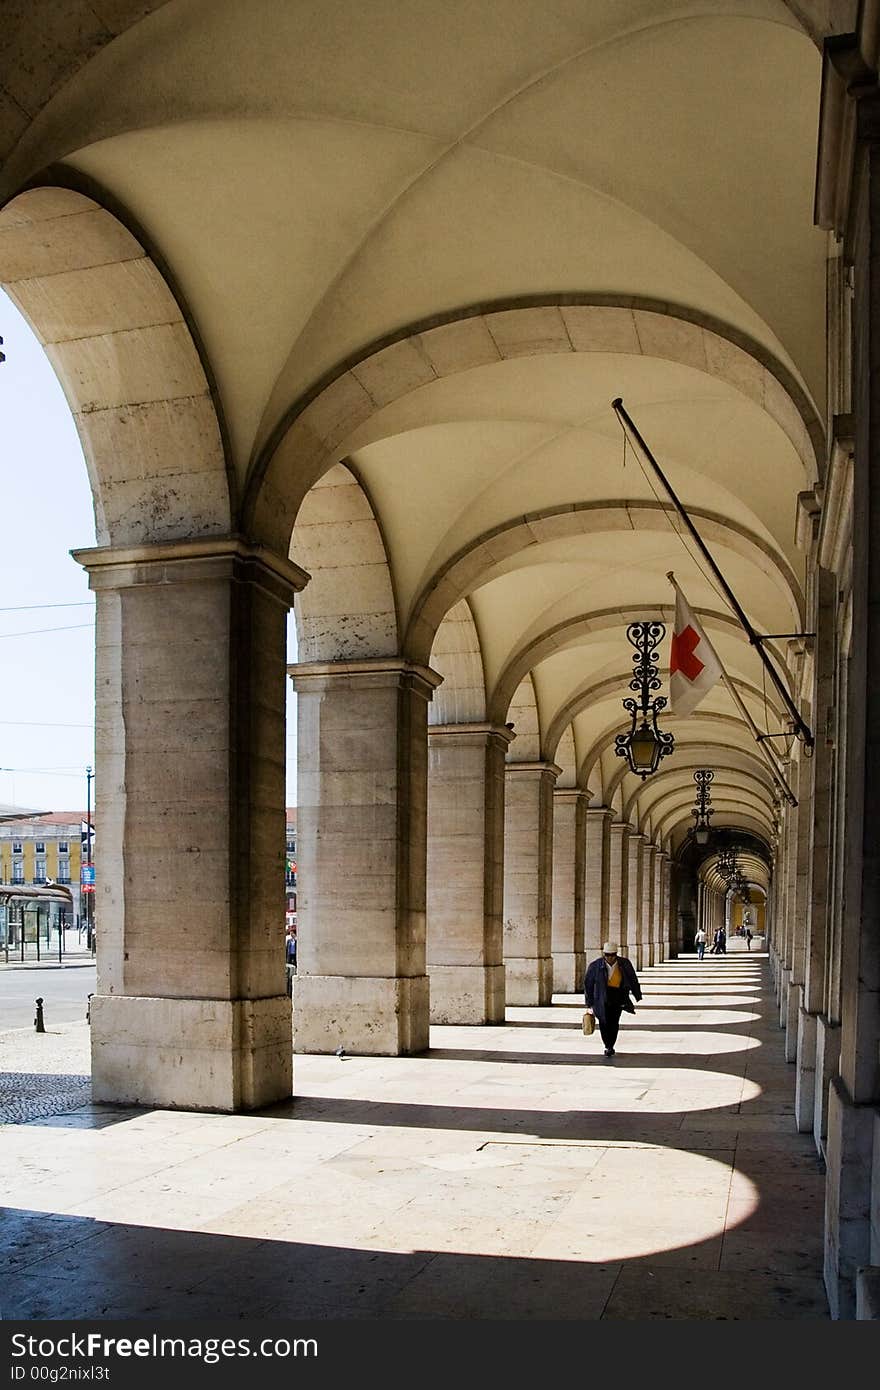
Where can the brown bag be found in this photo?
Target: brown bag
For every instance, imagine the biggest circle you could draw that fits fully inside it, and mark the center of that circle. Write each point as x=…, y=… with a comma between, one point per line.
x=589, y=1023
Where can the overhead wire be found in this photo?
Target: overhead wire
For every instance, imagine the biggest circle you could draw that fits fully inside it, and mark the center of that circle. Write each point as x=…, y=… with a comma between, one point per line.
x=39, y=631
x=29, y=607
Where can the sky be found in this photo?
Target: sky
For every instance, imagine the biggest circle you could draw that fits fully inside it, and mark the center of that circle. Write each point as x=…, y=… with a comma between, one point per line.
x=47, y=634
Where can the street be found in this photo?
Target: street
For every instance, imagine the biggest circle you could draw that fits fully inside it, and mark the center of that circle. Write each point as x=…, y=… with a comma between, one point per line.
x=64, y=991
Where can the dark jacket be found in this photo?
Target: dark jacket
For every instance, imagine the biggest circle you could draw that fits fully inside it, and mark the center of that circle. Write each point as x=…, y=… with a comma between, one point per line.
x=596, y=985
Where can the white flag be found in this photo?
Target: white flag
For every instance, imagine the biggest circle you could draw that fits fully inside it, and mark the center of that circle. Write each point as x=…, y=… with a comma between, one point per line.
x=693, y=666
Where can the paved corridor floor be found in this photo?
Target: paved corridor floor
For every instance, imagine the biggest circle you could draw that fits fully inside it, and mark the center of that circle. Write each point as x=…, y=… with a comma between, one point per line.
x=509, y=1173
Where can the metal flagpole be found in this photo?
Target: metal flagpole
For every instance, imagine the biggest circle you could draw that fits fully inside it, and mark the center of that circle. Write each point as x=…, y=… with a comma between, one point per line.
x=775, y=769
x=754, y=639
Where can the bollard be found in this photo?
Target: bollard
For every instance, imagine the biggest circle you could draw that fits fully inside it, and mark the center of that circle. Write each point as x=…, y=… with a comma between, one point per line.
x=38, y=1021
x=89, y=1009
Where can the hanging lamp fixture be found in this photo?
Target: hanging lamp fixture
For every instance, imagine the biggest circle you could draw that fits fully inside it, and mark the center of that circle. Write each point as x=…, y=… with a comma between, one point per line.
x=643, y=745
x=702, y=813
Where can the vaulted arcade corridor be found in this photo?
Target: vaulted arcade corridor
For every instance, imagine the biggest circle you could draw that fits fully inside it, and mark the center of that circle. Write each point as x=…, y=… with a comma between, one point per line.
x=340, y=296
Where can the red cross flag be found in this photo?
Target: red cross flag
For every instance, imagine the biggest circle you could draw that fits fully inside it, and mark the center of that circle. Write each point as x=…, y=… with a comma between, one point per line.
x=693, y=666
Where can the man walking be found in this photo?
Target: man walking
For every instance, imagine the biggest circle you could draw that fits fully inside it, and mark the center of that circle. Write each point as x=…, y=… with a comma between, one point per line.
x=608, y=984
x=700, y=943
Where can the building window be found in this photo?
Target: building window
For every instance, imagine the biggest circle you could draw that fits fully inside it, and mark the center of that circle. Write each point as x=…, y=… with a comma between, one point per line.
x=40, y=871
x=63, y=847
x=16, y=846
x=18, y=872
x=40, y=847
x=63, y=870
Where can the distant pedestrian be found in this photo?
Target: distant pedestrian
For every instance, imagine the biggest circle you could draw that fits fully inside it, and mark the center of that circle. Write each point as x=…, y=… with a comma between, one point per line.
x=608, y=984
x=749, y=937
x=719, y=943
x=700, y=943
x=290, y=958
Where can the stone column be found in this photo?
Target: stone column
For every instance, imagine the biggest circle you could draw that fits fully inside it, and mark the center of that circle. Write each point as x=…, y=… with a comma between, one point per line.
x=657, y=951
x=528, y=882
x=191, y=1007
x=597, y=894
x=569, y=853
x=800, y=914
x=668, y=935
x=618, y=869
x=786, y=994
x=853, y=1149
x=650, y=900
x=815, y=1025
x=466, y=872
x=635, y=904
x=362, y=763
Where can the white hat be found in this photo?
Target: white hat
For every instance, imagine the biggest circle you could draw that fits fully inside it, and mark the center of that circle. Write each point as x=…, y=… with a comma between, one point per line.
x=609, y=949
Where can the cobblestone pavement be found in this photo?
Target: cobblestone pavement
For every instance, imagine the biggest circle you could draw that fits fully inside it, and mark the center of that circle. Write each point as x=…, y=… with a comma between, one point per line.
x=43, y=1073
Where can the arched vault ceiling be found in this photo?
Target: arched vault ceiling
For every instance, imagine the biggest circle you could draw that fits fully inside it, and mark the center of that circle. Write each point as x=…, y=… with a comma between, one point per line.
x=579, y=678
x=319, y=173
x=451, y=456
x=675, y=828
x=733, y=791
x=612, y=563
x=580, y=634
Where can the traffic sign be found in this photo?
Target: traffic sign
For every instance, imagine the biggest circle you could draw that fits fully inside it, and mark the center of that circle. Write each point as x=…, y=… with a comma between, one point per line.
x=87, y=874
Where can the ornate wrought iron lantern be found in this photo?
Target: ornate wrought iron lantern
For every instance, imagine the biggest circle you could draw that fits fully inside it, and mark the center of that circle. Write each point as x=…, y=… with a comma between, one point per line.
x=644, y=744
x=727, y=862
x=702, y=813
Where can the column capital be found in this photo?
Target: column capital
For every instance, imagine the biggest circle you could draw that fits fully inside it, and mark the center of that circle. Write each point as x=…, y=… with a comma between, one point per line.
x=177, y=562
x=470, y=731
x=552, y=768
x=574, y=794
x=621, y=827
x=372, y=672
x=600, y=812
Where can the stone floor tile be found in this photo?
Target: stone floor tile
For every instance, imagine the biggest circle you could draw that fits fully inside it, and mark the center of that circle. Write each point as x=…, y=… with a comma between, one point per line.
x=476, y=1180
x=655, y=1291
x=504, y=1289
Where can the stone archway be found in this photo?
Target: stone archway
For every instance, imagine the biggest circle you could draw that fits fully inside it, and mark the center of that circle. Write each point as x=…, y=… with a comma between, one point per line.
x=190, y=669
x=313, y=433
x=122, y=349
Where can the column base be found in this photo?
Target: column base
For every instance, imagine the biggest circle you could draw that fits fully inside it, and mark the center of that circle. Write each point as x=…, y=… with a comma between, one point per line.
x=467, y=993
x=191, y=1054
x=529, y=980
x=805, y=1077
x=868, y=1294
x=568, y=971
x=792, y=1020
x=851, y=1136
x=366, y=1015
x=782, y=993
x=827, y=1061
